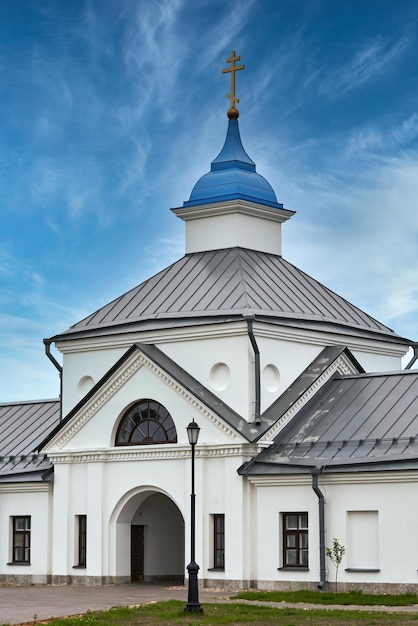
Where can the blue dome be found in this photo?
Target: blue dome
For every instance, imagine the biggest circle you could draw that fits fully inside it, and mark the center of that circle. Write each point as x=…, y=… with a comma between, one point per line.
x=232, y=176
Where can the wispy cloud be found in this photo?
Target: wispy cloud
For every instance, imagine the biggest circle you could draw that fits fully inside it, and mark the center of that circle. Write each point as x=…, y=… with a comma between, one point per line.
x=360, y=236
x=372, y=60
x=112, y=111
x=153, y=53
x=224, y=34
x=378, y=139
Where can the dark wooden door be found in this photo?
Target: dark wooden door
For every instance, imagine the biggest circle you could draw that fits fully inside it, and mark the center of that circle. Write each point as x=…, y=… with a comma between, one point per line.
x=137, y=552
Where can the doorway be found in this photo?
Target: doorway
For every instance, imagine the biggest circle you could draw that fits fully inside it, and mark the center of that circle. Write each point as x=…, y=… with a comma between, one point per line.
x=149, y=534
x=137, y=552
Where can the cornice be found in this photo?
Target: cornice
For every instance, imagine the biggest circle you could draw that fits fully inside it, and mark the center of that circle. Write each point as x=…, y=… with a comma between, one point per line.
x=244, y=207
x=24, y=487
x=299, y=480
x=152, y=453
x=323, y=338
x=357, y=478
x=369, y=478
x=233, y=328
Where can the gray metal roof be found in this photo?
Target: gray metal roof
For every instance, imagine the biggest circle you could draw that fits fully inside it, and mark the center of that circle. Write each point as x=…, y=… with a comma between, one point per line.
x=365, y=419
x=23, y=426
x=223, y=283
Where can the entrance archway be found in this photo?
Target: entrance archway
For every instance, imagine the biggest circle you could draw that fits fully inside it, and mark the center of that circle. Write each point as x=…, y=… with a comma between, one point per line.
x=150, y=539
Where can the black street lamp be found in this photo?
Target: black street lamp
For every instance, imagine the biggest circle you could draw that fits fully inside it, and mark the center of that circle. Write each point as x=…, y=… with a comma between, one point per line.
x=193, y=603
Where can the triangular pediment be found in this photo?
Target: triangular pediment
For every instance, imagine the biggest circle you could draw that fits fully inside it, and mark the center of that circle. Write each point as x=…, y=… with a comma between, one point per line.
x=332, y=360
x=121, y=386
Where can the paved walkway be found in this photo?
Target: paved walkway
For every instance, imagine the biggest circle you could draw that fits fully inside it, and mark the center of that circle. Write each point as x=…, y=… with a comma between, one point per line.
x=23, y=605
x=19, y=605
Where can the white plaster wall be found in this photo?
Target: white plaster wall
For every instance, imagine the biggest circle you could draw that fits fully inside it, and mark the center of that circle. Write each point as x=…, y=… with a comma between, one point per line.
x=100, y=488
x=252, y=515
x=103, y=486
x=234, y=523
x=62, y=531
x=200, y=356
x=109, y=486
x=79, y=364
x=222, y=491
x=232, y=230
x=289, y=357
x=97, y=525
x=32, y=501
x=397, y=511
x=378, y=362
x=397, y=508
x=230, y=346
x=271, y=502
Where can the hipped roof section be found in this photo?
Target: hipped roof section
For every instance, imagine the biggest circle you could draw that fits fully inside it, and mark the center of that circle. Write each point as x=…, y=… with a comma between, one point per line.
x=218, y=285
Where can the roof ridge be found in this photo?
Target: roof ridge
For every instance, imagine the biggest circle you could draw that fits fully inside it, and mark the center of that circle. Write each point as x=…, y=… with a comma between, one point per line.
x=22, y=402
x=401, y=372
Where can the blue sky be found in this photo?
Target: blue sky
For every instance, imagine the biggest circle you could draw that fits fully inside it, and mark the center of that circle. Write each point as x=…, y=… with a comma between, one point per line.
x=110, y=110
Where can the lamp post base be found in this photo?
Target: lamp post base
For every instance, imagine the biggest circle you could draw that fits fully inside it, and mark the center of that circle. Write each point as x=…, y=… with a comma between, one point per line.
x=193, y=604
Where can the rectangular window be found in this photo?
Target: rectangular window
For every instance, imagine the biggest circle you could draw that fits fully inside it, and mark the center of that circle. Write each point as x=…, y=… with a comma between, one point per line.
x=295, y=539
x=82, y=540
x=21, y=539
x=219, y=541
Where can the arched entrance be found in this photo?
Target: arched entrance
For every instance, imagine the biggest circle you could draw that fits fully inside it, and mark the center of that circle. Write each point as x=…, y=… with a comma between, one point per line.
x=150, y=539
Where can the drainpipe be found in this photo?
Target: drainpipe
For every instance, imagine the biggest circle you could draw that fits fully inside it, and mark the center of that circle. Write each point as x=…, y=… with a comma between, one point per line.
x=414, y=346
x=321, y=502
x=47, y=343
x=257, y=386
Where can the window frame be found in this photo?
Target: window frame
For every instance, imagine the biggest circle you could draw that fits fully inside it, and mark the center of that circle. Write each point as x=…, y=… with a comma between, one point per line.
x=301, y=536
x=146, y=422
x=81, y=541
x=18, y=533
x=218, y=520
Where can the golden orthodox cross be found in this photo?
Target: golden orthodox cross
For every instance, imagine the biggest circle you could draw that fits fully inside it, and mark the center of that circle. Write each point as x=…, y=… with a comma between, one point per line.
x=234, y=68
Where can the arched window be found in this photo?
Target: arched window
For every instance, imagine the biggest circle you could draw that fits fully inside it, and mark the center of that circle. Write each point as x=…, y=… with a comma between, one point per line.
x=146, y=422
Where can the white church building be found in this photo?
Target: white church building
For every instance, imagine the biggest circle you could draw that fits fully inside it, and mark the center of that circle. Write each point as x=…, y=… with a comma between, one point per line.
x=308, y=423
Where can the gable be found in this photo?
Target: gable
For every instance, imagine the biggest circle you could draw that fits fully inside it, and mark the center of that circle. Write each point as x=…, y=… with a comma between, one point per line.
x=93, y=422
x=366, y=421
x=331, y=360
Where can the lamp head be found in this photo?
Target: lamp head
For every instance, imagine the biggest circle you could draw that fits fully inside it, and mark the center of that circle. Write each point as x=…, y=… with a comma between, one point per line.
x=193, y=432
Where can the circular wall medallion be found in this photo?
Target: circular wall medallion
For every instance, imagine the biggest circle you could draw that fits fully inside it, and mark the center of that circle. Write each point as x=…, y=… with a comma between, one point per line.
x=84, y=385
x=220, y=376
x=271, y=378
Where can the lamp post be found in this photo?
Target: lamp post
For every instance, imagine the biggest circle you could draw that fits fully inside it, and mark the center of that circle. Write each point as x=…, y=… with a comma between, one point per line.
x=193, y=603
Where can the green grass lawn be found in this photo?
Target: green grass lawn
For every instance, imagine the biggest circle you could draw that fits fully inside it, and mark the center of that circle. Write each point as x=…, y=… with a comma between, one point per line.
x=326, y=597
x=172, y=614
